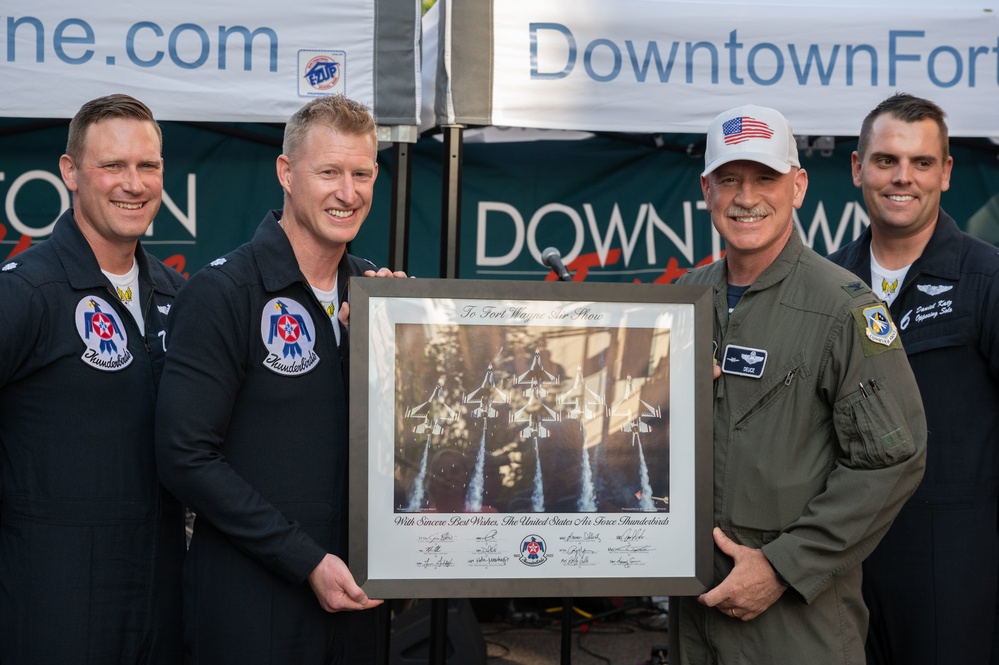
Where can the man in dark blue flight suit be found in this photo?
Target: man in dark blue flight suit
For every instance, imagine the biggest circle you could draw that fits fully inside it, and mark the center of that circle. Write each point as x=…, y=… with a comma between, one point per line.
x=252, y=415
x=931, y=582
x=91, y=547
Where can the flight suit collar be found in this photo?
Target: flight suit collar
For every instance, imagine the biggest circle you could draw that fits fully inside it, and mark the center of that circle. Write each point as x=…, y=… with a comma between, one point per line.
x=782, y=266
x=81, y=266
x=278, y=265
x=776, y=271
x=941, y=257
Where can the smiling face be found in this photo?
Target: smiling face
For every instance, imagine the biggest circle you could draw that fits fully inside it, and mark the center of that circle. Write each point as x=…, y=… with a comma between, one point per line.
x=117, y=182
x=328, y=185
x=902, y=173
x=752, y=207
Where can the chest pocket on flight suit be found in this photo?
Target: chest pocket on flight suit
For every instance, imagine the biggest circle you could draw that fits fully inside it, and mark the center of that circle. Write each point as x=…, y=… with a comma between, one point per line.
x=935, y=333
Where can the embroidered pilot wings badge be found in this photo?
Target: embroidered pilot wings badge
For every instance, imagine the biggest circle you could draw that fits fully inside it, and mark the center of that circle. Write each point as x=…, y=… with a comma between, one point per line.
x=934, y=289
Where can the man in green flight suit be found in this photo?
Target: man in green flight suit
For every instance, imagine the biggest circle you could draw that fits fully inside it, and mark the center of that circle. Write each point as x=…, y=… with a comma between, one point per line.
x=819, y=431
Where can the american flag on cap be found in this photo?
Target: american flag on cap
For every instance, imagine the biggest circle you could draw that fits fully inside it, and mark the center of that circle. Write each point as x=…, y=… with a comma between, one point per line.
x=744, y=128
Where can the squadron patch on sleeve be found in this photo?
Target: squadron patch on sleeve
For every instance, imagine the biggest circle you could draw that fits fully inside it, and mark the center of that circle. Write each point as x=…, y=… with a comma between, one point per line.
x=103, y=334
x=286, y=330
x=877, y=331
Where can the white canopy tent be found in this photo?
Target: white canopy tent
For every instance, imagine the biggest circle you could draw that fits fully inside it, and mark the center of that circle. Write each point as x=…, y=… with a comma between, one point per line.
x=227, y=61
x=220, y=62
x=671, y=65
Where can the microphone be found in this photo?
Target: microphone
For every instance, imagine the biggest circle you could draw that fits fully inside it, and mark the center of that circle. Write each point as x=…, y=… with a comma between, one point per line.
x=552, y=258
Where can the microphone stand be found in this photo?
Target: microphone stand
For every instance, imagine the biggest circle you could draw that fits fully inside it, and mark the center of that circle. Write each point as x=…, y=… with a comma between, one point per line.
x=566, y=632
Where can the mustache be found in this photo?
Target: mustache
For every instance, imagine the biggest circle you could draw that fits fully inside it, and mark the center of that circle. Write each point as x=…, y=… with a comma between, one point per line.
x=738, y=211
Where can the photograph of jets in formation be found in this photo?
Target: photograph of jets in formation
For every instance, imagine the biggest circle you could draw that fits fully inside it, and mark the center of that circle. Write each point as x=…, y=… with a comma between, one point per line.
x=502, y=443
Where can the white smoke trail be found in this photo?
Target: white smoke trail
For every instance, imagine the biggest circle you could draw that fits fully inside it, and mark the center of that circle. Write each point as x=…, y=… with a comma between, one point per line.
x=645, y=502
x=587, y=496
x=416, y=492
x=473, y=498
x=538, y=498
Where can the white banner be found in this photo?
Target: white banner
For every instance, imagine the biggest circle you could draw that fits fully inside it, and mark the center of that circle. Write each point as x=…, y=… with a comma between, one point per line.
x=646, y=66
x=193, y=60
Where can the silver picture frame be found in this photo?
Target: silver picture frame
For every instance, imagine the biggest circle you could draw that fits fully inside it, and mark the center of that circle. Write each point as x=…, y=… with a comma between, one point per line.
x=522, y=439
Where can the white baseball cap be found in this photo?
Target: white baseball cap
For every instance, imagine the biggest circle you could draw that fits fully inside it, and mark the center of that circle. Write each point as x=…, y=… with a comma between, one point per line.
x=754, y=133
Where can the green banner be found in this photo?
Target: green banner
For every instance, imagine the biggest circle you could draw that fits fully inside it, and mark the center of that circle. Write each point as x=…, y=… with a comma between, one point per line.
x=627, y=210
x=619, y=208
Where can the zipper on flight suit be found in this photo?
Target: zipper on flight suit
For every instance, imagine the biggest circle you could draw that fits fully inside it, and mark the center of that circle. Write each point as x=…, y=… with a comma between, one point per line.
x=771, y=395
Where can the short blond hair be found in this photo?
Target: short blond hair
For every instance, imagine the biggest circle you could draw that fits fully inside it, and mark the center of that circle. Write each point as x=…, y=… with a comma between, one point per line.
x=334, y=111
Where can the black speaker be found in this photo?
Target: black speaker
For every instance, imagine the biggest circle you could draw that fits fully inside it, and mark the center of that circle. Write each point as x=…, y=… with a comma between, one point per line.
x=410, y=638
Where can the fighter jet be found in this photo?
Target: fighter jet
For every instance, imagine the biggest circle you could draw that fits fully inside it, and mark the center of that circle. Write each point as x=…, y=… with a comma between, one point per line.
x=537, y=377
x=534, y=413
x=433, y=412
x=486, y=396
x=634, y=409
x=581, y=399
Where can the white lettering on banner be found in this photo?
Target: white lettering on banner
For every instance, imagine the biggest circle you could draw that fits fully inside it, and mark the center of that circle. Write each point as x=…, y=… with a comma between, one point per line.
x=555, y=54
x=485, y=207
x=532, y=228
x=627, y=244
x=685, y=246
x=15, y=187
x=187, y=218
x=819, y=223
x=603, y=243
x=495, y=219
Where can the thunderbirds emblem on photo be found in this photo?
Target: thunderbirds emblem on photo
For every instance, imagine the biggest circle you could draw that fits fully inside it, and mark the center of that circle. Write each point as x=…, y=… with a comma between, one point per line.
x=533, y=550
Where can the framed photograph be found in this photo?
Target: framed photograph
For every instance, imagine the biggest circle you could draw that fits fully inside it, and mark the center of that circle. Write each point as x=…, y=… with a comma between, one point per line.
x=529, y=439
